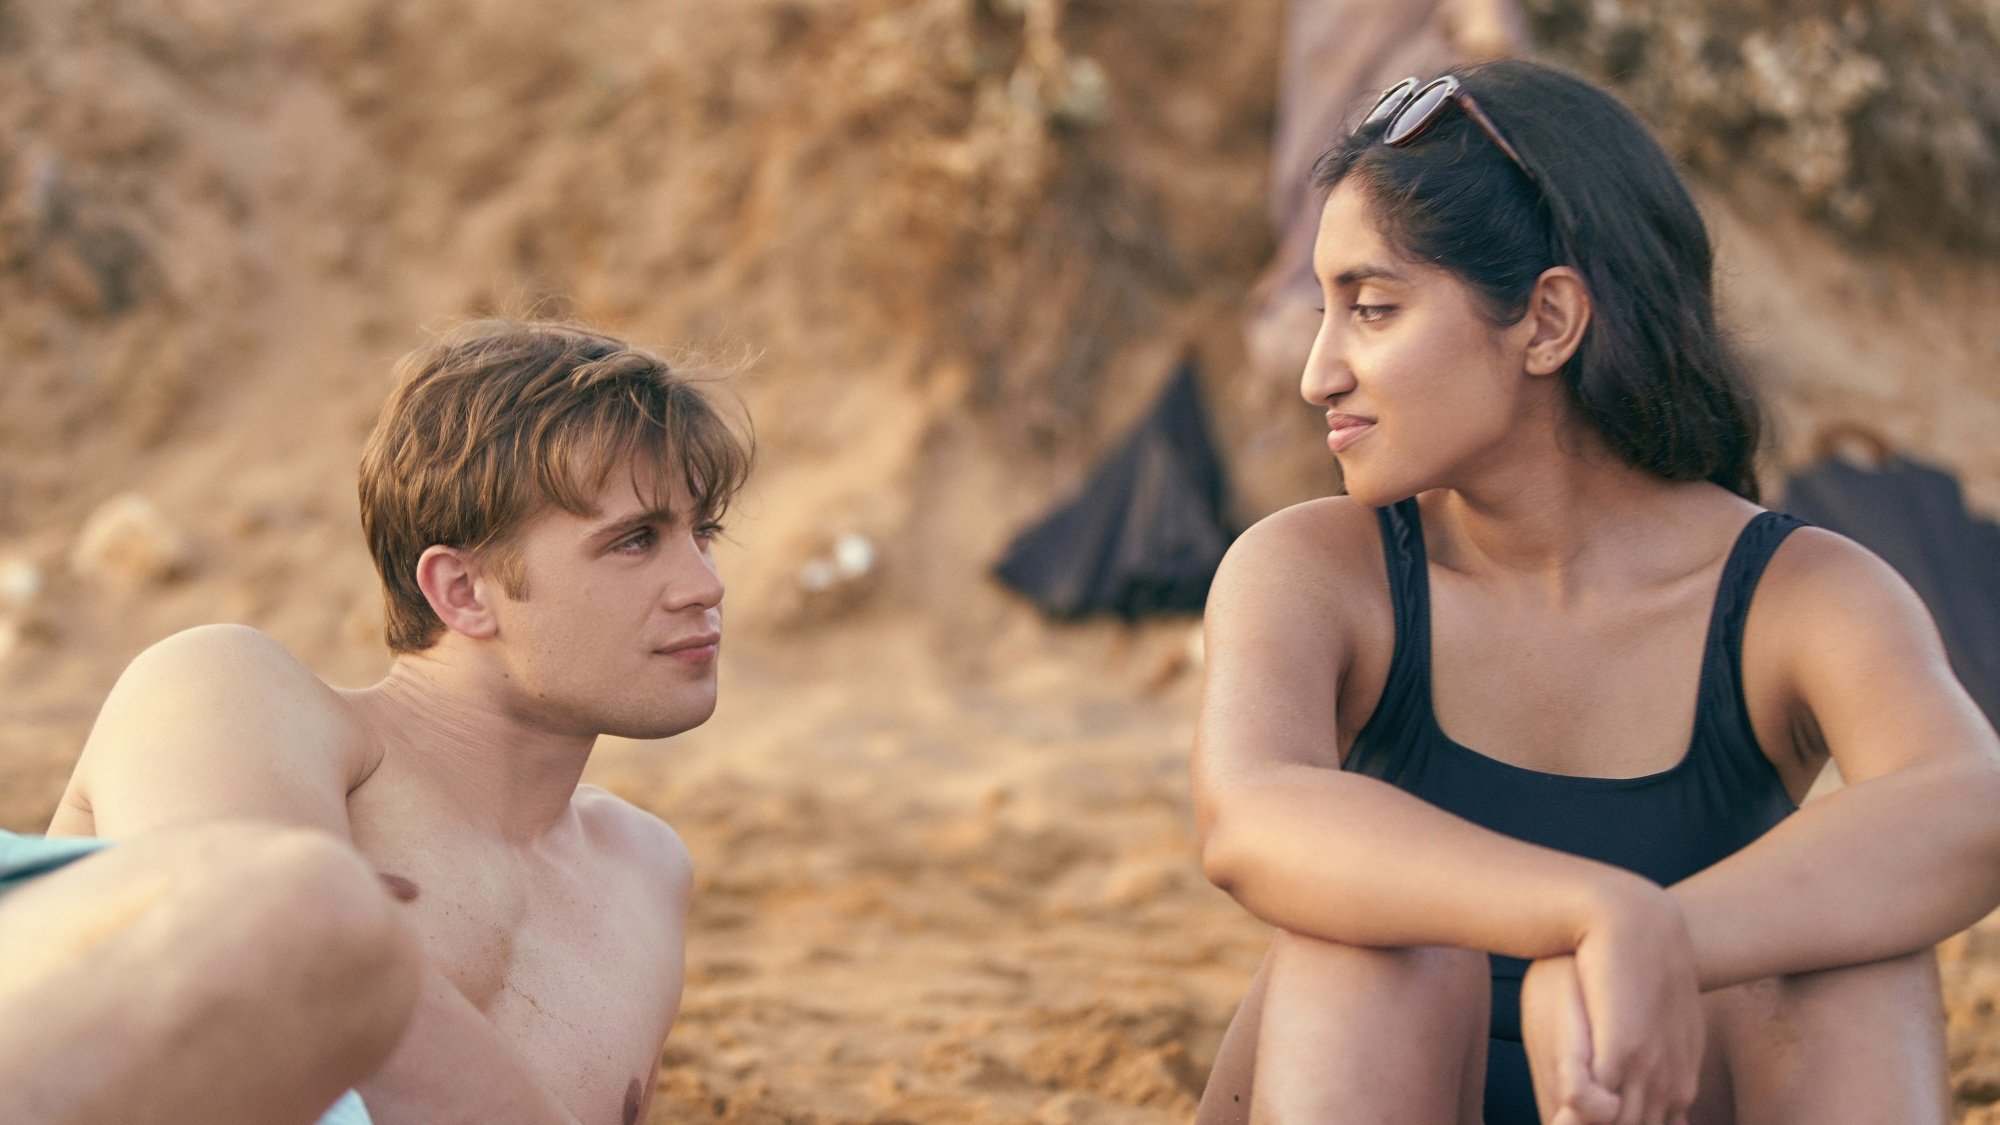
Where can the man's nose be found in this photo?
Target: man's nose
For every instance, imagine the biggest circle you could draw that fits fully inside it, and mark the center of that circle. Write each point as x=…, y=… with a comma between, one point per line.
x=696, y=581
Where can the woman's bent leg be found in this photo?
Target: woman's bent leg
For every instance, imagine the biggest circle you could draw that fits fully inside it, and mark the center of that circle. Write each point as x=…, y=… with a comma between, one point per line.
x=1225, y=1100
x=1358, y=1036
x=1860, y=1044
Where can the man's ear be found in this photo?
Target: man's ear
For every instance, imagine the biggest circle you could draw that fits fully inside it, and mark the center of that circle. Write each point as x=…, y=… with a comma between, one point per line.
x=1558, y=310
x=449, y=578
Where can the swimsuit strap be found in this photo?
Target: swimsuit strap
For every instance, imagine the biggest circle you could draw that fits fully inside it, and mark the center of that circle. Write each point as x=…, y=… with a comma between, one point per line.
x=1722, y=718
x=1393, y=730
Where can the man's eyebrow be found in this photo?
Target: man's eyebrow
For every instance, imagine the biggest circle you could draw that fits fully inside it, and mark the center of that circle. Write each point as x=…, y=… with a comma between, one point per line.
x=613, y=528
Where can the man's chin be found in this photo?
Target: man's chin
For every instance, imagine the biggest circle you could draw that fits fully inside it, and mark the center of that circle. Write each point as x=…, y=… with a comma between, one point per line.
x=657, y=726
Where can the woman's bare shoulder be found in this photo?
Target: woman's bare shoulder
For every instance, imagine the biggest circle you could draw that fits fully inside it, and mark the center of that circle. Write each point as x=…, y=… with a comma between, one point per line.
x=1815, y=568
x=1317, y=554
x=1836, y=630
x=1333, y=531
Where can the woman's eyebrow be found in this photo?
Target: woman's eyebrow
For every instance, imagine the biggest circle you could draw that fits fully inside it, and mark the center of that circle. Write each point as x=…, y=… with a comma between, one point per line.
x=1367, y=273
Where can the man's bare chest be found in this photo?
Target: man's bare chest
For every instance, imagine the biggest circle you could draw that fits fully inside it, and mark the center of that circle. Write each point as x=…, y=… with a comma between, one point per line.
x=566, y=959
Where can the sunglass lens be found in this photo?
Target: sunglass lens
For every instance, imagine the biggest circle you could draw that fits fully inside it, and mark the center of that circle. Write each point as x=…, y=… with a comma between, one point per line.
x=1391, y=100
x=1416, y=116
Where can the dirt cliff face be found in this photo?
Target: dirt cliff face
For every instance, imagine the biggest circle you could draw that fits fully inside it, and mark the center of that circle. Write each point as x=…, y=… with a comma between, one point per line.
x=953, y=244
x=916, y=219
x=1883, y=119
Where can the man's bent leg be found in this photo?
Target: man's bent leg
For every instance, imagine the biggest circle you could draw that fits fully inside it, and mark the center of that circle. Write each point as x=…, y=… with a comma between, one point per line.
x=222, y=973
x=1361, y=1036
x=1859, y=1044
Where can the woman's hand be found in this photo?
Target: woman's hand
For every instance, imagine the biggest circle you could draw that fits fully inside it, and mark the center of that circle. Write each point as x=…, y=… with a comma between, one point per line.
x=1635, y=972
x=1556, y=1032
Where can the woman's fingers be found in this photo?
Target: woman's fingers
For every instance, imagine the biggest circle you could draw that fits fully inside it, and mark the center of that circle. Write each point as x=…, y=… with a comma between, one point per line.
x=1557, y=1033
x=1635, y=970
x=1581, y=1093
x=1633, y=1111
x=1594, y=1105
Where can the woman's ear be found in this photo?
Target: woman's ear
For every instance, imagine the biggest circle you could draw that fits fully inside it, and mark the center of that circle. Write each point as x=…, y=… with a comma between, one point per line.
x=1559, y=311
x=449, y=579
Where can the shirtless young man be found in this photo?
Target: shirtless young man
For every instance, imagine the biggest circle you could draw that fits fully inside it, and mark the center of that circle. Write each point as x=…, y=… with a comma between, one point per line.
x=540, y=501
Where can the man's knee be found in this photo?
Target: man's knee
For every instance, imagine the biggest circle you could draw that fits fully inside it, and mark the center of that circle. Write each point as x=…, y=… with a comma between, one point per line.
x=311, y=897
x=299, y=917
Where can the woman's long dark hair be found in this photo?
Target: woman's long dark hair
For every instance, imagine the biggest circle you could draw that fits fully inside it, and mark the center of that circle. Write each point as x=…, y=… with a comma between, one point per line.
x=1653, y=375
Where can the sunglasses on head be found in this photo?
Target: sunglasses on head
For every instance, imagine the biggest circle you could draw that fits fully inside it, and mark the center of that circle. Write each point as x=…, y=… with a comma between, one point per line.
x=1409, y=111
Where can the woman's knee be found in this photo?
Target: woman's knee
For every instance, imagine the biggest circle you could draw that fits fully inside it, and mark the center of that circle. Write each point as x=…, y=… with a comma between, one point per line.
x=1421, y=999
x=1447, y=976
x=1370, y=1034
x=1858, y=1043
x=1903, y=987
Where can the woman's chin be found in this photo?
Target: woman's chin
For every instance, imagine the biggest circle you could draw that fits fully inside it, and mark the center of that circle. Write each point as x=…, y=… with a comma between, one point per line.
x=1371, y=493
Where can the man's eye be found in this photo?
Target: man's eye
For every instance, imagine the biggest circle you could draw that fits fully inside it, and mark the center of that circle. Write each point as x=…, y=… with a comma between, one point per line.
x=707, y=531
x=637, y=541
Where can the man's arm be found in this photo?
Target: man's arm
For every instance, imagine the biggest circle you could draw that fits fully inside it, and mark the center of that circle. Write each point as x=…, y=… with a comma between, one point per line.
x=221, y=723
x=1908, y=852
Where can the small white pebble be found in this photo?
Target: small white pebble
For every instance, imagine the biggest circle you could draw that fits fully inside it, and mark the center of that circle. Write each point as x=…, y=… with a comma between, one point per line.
x=20, y=581
x=853, y=555
x=816, y=576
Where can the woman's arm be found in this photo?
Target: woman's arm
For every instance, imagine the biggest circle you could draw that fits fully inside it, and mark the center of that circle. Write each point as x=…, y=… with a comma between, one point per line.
x=1908, y=852
x=1340, y=856
x=1347, y=858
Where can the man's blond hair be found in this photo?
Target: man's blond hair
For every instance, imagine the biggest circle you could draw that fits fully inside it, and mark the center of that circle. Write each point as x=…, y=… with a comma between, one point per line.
x=496, y=420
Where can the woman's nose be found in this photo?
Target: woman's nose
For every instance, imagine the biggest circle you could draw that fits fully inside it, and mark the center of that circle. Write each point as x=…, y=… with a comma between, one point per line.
x=1327, y=374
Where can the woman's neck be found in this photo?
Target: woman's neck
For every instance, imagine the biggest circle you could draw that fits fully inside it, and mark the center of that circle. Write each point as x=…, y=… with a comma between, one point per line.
x=1577, y=523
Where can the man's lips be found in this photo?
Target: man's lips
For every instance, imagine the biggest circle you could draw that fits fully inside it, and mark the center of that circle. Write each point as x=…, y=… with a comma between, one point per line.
x=696, y=649
x=1344, y=430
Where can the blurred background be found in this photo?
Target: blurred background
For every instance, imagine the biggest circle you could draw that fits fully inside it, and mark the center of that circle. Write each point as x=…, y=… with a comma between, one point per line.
x=948, y=252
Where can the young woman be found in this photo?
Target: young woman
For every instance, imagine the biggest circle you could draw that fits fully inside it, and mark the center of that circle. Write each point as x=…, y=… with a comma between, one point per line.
x=1548, y=684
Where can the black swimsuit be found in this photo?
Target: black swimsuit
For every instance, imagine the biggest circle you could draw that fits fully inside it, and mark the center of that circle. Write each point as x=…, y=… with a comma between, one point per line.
x=1666, y=826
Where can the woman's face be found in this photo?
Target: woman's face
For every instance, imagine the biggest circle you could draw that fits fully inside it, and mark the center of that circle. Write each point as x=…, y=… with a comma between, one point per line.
x=1418, y=387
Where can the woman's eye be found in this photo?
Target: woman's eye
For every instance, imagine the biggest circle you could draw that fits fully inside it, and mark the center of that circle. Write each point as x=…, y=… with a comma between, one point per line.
x=1369, y=314
x=707, y=531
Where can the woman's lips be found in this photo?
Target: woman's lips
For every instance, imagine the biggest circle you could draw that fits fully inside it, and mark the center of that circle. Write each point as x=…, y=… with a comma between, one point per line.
x=1344, y=430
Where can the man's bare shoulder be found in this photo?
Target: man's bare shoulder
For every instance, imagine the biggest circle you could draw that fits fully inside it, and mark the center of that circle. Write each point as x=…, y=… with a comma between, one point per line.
x=223, y=653
x=636, y=839
x=218, y=721
x=232, y=666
